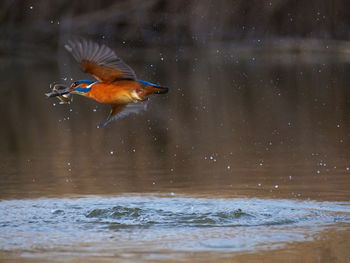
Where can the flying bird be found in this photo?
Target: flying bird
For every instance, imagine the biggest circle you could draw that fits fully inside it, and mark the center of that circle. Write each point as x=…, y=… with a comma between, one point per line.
x=116, y=82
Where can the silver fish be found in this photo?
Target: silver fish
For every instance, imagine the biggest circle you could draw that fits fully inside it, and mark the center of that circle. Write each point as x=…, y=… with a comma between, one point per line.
x=56, y=88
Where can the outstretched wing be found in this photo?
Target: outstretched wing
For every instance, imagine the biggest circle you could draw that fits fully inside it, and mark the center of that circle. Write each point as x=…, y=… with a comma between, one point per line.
x=99, y=60
x=120, y=111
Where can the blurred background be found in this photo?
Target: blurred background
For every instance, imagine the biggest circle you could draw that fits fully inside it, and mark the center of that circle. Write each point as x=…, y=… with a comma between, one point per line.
x=173, y=24
x=258, y=102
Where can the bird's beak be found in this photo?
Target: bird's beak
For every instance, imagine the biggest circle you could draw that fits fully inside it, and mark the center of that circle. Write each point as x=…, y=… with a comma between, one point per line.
x=58, y=93
x=59, y=90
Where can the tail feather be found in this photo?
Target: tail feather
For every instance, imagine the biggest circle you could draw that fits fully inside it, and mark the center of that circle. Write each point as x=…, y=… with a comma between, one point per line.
x=155, y=89
x=151, y=88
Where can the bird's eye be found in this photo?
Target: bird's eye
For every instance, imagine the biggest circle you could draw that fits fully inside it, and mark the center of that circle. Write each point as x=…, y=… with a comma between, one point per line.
x=74, y=84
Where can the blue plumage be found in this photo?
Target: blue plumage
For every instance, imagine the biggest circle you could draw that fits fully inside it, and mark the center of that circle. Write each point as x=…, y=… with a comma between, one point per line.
x=84, y=90
x=84, y=81
x=146, y=83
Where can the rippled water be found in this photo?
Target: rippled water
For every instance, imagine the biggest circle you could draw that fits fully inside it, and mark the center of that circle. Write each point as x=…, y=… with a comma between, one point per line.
x=119, y=225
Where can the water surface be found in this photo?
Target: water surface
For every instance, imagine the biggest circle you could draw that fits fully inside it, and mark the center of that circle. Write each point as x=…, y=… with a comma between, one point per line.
x=160, y=227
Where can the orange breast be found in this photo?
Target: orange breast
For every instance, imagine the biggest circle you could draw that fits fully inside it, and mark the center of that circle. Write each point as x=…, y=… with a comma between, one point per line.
x=118, y=92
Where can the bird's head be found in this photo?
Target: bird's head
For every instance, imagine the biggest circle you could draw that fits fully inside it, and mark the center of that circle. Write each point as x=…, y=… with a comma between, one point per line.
x=81, y=87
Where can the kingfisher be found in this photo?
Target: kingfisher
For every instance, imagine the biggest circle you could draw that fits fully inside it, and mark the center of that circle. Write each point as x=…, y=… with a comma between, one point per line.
x=116, y=83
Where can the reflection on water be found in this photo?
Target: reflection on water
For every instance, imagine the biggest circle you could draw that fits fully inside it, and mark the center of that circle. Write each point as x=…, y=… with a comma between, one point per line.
x=158, y=223
x=260, y=126
x=232, y=125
